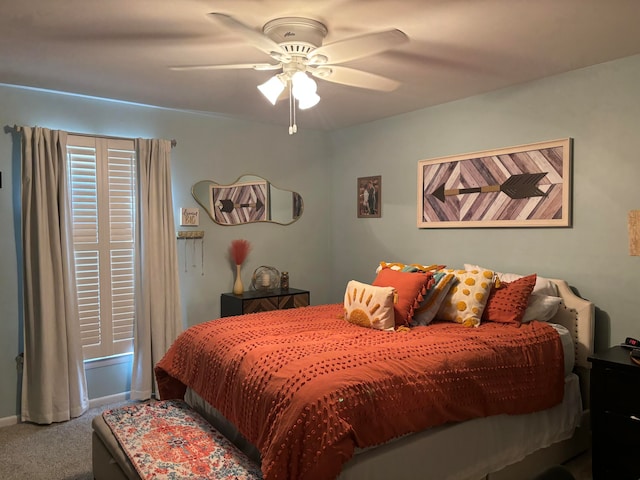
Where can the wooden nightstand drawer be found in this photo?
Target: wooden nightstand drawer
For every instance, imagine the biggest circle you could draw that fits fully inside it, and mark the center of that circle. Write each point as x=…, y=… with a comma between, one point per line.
x=622, y=390
x=615, y=415
x=612, y=473
x=622, y=387
x=619, y=457
x=615, y=424
x=262, y=301
x=255, y=305
x=293, y=301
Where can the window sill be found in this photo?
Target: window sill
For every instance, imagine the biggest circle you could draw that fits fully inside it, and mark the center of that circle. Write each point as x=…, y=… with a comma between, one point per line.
x=108, y=361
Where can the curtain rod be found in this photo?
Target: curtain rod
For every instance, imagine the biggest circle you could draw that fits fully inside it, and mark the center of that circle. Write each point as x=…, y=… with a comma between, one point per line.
x=173, y=140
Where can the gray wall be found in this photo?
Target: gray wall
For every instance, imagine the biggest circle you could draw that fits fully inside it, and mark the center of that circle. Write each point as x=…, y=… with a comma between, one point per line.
x=599, y=107
x=209, y=147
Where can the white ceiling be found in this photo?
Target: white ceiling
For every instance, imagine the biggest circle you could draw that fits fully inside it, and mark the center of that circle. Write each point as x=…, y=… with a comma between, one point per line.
x=121, y=49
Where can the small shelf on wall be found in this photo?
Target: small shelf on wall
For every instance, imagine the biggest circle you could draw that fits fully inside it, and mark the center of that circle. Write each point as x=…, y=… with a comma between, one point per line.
x=189, y=234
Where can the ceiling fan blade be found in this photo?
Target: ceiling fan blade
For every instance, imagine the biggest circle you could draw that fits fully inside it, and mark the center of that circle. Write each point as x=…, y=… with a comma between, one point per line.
x=354, y=78
x=255, y=38
x=231, y=66
x=357, y=47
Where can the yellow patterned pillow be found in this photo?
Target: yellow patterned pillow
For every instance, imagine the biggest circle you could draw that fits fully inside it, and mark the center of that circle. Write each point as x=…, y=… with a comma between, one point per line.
x=408, y=267
x=466, y=300
x=369, y=306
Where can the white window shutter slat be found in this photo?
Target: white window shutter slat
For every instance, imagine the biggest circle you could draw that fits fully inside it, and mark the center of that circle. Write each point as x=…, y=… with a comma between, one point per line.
x=122, y=294
x=122, y=181
x=103, y=195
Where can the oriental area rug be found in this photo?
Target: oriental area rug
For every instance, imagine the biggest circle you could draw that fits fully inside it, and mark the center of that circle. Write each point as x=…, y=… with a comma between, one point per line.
x=168, y=440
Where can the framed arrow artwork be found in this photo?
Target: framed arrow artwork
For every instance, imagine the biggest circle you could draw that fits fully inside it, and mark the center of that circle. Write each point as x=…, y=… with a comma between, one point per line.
x=522, y=186
x=240, y=202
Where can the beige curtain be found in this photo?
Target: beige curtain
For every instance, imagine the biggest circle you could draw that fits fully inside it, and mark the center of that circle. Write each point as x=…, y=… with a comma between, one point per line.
x=54, y=387
x=158, y=311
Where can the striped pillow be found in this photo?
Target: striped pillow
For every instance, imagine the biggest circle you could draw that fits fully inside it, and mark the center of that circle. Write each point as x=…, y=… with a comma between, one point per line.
x=426, y=312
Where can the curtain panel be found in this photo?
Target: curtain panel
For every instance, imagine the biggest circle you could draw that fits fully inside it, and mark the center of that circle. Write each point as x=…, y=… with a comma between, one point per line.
x=158, y=310
x=54, y=386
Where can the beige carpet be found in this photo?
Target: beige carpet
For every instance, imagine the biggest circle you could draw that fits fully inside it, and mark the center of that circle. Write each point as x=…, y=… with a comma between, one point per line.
x=61, y=451
x=580, y=467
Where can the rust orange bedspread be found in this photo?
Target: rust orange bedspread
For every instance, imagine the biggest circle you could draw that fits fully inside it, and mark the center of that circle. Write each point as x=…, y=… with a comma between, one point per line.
x=306, y=387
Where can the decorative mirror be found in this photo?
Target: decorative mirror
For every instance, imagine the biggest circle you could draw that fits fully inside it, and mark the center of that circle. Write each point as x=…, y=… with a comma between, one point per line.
x=249, y=199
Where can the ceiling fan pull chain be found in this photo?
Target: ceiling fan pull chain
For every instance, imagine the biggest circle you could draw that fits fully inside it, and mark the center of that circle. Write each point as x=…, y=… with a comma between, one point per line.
x=293, y=128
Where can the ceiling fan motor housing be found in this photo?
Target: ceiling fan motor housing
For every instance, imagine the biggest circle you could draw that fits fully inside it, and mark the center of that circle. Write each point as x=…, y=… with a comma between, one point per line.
x=296, y=35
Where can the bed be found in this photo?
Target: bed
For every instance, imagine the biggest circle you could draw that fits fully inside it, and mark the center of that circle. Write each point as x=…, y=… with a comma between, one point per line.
x=538, y=429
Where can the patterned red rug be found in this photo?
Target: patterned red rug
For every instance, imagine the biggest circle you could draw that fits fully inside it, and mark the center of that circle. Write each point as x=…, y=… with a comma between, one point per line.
x=168, y=440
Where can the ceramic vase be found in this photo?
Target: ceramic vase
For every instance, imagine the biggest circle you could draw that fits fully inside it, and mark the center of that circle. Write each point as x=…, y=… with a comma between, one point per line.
x=238, y=288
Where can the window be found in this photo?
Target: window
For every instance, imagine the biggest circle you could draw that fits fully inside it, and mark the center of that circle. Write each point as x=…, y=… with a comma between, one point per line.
x=103, y=196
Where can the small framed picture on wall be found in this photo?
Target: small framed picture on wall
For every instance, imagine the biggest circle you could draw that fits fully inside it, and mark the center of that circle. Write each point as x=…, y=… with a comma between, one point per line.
x=369, y=197
x=189, y=217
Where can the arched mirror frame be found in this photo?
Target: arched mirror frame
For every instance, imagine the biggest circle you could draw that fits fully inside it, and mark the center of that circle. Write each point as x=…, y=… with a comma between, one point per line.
x=249, y=199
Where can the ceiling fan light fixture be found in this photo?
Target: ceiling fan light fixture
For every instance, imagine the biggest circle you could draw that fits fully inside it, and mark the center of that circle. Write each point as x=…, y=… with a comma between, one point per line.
x=304, y=90
x=308, y=101
x=303, y=85
x=272, y=88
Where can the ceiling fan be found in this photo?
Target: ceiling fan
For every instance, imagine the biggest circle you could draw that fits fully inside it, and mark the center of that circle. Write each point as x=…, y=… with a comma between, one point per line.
x=295, y=44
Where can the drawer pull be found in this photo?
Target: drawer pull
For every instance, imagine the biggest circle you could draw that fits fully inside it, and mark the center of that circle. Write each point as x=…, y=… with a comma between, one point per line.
x=626, y=416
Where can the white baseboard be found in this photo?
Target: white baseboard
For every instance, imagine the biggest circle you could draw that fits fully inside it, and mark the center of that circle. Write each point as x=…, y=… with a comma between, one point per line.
x=93, y=402
x=118, y=397
x=7, y=421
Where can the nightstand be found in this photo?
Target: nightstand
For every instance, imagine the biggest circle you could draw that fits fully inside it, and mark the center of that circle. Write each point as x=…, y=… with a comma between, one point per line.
x=262, y=301
x=615, y=415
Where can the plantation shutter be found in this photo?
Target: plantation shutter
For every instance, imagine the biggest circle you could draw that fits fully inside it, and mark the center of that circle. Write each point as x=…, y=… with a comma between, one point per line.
x=103, y=190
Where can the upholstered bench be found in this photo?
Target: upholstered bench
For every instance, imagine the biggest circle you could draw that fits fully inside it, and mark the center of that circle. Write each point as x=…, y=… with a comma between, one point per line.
x=164, y=438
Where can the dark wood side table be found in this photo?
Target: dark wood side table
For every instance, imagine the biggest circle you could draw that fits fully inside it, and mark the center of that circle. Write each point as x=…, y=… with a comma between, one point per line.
x=615, y=415
x=261, y=301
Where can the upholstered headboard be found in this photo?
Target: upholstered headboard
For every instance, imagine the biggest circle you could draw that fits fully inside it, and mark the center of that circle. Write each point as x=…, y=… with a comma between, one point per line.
x=578, y=316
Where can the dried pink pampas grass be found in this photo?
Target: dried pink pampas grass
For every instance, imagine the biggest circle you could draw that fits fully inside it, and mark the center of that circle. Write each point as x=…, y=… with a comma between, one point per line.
x=239, y=250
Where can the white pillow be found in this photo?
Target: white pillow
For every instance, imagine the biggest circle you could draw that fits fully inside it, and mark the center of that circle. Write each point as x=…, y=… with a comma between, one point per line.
x=541, y=307
x=543, y=286
x=543, y=302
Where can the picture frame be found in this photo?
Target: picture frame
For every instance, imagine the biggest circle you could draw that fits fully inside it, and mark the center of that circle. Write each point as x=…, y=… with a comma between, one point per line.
x=369, y=198
x=240, y=203
x=189, y=217
x=522, y=186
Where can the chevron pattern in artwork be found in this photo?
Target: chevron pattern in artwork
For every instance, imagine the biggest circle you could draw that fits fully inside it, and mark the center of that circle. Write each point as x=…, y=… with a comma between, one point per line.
x=519, y=186
x=240, y=203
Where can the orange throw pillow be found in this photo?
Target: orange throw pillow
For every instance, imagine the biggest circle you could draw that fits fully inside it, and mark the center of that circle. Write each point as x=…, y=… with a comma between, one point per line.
x=410, y=288
x=508, y=303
